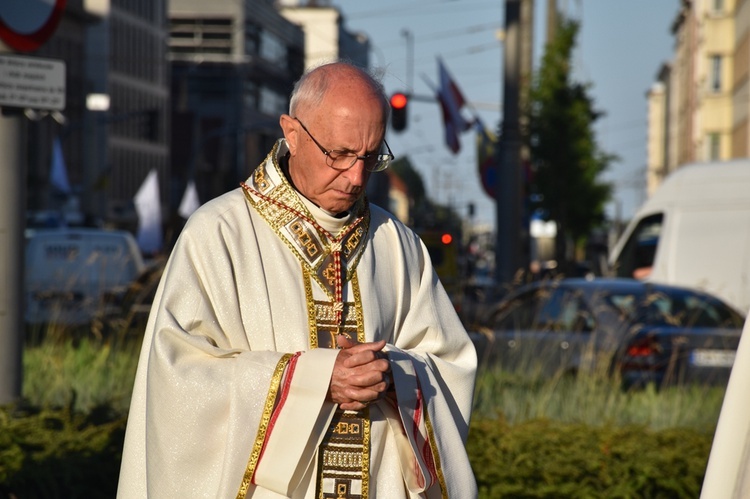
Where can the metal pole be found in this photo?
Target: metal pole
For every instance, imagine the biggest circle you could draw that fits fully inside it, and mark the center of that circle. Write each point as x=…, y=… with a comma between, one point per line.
x=12, y=224
x=508, y=192
x=406, y=33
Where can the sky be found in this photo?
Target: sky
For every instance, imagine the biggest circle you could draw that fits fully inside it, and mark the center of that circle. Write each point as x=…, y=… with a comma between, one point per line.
x=621, y=46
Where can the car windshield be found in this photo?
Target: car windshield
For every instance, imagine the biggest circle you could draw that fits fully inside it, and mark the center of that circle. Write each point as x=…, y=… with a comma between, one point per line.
x=676, y=308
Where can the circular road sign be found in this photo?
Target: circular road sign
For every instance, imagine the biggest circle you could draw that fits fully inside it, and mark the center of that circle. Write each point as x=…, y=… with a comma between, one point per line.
x=26, y=24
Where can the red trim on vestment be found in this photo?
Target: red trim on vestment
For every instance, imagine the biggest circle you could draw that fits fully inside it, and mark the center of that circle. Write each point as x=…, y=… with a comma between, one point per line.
x=279, y=405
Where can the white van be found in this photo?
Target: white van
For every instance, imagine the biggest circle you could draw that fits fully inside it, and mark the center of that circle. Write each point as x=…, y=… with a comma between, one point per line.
x=69, y=272
x=694, y=231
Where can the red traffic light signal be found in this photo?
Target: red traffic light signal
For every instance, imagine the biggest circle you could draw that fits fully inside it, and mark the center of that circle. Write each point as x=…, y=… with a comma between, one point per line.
x=399, y=103
x=446, y=238
x=399, y=100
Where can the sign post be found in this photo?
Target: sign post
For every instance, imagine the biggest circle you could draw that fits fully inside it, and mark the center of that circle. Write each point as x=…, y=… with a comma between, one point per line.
x=32, y=83
x=25, y=83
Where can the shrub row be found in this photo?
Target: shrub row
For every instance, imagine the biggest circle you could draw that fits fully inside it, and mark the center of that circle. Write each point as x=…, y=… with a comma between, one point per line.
x=59, y=453
x=549, y=459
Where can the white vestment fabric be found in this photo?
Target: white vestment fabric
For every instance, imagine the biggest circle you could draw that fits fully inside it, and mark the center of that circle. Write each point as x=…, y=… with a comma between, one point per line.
x=230, y=398
x=728, y=471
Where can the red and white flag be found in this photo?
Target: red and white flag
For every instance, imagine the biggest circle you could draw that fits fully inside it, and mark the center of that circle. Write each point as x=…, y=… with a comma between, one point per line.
x=451, y=101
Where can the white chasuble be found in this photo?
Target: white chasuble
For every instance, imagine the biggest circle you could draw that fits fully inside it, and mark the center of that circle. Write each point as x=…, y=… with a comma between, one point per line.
x=230, y=394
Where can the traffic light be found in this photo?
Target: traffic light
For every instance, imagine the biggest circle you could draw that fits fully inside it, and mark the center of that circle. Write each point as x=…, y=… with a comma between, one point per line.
x=399, y=102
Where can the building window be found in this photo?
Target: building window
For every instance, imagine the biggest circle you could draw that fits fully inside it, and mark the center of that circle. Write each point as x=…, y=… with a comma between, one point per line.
x=715, y=73
x=272, y=102
x=272, y=48
x=200, y=36
x=714, y=146
x=718, y=6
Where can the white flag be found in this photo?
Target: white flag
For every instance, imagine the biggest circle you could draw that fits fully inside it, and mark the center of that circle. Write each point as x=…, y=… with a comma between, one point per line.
x=190, y=201
x=148, y=207
x=59, y=174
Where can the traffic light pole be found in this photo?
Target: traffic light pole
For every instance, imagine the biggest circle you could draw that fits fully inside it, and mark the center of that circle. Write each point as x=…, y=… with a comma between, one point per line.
x=509, y=186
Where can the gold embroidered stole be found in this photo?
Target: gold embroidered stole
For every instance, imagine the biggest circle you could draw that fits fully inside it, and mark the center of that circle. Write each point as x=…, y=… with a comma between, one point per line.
x=330, y=261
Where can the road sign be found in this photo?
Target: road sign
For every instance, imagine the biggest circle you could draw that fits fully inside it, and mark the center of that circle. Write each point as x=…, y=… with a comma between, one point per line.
x=26, y=24
x=32, y=82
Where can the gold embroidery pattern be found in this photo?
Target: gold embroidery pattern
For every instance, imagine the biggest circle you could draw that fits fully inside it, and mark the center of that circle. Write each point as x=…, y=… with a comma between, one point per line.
x=329, y=273
x=259, y=180
x=344, y=457
x=353, y=241
x=292, y=222
x=304, y=238
x=358, y=314
x=263, y=427
x=327, y=326
x=435, y=456
x=312, y=319
x=278, y=218
x=277, y=192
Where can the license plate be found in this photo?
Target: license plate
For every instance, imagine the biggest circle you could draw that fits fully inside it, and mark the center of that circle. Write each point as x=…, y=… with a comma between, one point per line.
x=712, y=358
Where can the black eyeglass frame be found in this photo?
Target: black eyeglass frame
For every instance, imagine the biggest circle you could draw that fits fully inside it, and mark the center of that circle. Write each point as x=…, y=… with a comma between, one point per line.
x=382, y=163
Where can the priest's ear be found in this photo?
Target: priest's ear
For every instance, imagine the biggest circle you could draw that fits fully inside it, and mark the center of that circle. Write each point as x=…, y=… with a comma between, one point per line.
x=290, y=127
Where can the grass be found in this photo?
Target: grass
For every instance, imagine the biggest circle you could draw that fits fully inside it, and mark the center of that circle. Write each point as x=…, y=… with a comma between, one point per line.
x=82, y=373
x=90, y=371
x=595, y=400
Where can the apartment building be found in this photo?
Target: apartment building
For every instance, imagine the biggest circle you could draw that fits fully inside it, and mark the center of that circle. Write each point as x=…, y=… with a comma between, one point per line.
x=326, y=38
x=695, y=106
x=234, y=64
x=135, y=74
x=114, y=128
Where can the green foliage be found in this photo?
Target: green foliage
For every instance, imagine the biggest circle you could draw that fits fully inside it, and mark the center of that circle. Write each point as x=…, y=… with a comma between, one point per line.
x=594, y=399
x=88, y=371
x=58, y=453
x=530, y=438
x=550, y=459
x=424, y=213
x=566, y=159
x=411, y=177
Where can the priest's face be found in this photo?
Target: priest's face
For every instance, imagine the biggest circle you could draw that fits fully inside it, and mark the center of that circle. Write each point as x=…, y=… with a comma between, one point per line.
x=324, y=143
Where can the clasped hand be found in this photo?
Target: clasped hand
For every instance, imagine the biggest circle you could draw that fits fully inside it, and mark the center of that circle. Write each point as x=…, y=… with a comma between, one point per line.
x=361, y=374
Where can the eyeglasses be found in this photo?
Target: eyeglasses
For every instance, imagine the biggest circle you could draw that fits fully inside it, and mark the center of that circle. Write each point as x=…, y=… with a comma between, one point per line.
x=343, y=160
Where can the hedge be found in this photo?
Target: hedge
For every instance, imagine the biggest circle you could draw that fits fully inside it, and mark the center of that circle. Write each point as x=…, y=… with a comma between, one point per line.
x=63, y=454
x=548, y=459
x=59, y=453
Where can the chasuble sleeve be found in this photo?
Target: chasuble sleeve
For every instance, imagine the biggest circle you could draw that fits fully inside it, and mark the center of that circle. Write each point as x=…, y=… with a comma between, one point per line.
x=205, y=407
x=434, y=367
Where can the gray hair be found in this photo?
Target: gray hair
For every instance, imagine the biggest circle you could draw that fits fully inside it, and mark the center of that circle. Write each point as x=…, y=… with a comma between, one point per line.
x=311, y=88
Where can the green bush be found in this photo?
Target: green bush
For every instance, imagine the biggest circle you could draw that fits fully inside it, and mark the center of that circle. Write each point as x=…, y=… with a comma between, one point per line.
x=549, y=459
x=58, y=453
x=579, y=437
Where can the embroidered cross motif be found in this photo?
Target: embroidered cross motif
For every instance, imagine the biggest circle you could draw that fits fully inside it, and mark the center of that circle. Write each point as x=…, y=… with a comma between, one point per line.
x=306, y=239
x=330, y=274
